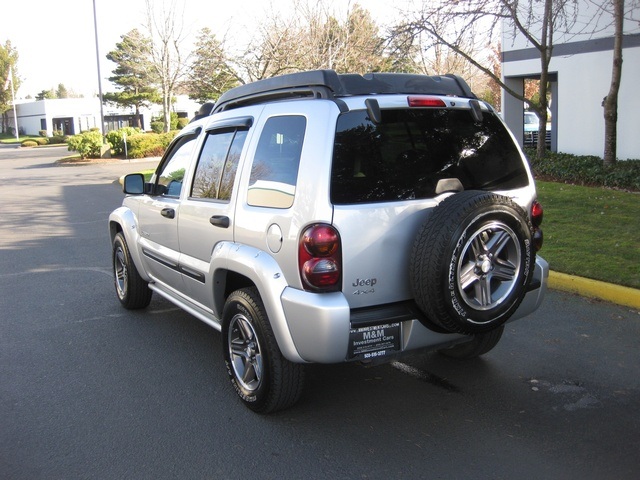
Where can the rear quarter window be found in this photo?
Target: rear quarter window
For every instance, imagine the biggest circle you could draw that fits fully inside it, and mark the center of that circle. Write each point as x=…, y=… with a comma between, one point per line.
x=274, y=171
x=405, y=156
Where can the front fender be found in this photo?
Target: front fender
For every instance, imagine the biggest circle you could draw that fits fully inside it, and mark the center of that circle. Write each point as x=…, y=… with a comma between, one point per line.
x=124, y=220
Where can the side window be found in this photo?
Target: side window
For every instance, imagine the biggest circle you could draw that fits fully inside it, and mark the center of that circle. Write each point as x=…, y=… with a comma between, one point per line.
x=275, y=166
x=218, y=163
x=171, y=173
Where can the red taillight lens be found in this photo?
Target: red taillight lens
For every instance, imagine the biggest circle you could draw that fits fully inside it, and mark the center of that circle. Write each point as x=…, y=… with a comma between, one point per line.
x=319, y=258
x=426, y=102
x=537, y=213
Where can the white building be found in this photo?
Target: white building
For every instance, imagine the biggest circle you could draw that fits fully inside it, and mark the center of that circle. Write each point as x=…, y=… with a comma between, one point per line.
x=580, y=75
x=75, y=115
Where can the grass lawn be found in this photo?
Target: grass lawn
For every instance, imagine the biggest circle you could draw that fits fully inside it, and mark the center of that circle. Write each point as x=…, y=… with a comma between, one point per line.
x=10, y=139
x=591, y=232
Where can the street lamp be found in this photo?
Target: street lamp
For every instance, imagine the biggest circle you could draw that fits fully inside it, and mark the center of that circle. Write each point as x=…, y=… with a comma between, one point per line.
x=95, y=27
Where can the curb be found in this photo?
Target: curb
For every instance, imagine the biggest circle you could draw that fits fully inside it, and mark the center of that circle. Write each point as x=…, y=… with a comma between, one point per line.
x=625, y=296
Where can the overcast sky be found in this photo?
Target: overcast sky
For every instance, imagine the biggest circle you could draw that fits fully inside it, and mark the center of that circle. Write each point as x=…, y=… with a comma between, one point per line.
x=56, y=40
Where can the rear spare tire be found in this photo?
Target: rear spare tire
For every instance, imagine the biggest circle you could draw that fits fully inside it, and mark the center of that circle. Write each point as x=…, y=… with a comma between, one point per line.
x=472, y=262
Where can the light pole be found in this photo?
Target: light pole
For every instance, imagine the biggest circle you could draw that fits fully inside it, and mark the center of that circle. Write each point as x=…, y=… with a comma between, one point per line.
x=95, y=27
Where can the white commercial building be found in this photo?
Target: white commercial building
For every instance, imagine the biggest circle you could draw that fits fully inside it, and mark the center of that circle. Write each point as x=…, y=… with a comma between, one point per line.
x=580, y=78
x=75, y=115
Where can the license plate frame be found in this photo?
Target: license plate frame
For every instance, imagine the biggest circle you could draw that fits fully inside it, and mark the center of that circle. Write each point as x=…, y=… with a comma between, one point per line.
x=374, y=341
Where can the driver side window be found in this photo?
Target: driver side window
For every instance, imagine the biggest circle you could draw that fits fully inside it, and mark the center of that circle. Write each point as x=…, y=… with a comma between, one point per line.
x=170, y=176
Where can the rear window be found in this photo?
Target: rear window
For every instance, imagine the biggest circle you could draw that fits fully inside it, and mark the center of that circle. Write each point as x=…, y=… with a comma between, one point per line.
x=404, y=156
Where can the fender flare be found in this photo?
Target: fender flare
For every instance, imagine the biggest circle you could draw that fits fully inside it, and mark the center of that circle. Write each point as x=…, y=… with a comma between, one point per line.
x=265, y=273
x=124, y=220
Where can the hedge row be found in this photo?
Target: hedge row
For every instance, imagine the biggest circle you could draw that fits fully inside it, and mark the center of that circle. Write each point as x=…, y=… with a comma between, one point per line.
x=586, y=170
x=139, y=145
x=55, y=140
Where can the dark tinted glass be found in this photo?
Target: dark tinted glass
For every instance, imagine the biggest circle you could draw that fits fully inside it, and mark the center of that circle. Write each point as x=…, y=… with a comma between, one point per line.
x=404, y=156
x=218, y=163
x=206, y=182
x=171, y=173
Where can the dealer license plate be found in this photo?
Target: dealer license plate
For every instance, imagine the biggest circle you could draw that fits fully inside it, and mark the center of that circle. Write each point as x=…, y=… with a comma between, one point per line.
x=373, y=342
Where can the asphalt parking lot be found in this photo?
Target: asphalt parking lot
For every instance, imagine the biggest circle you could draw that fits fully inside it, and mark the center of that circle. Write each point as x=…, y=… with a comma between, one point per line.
x=89, y=390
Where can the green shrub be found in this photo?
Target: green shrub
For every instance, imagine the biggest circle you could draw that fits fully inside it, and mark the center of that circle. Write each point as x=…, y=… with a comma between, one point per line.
x=157, y=123
x=116, y=139
x=29, y=143
x=182, y=122
x=587, y=170
x=167, y=137
x=41, y=141
x=157, y=126
x=42, y=133
x=57, y=140
x=87, y=144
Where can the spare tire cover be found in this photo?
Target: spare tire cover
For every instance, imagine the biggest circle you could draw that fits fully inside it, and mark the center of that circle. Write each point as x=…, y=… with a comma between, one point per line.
x=472, y=262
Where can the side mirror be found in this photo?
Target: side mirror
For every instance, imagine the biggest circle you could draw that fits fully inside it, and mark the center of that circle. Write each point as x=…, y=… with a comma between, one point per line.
x=133, y=184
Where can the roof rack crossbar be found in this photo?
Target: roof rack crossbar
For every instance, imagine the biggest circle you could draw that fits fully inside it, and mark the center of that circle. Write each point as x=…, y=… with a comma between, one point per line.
x=282, y=94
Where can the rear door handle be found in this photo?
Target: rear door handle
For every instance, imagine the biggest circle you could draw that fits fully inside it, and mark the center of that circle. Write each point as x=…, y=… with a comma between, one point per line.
x=168, y=212
x=220, y=221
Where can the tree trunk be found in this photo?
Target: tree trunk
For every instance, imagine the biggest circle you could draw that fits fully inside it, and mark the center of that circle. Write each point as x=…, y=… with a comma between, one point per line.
x=166, y=110
x=546, y=46
x=138, y=122
x=610, y=102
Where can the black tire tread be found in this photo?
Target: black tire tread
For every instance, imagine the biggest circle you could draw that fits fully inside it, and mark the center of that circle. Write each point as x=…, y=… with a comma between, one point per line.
x=431, y=251
x=482, y=343
x=286, y=379
x=138, y=292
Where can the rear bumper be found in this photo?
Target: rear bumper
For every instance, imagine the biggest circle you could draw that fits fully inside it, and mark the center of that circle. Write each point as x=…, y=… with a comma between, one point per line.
x=319, y=324
x=537, y=290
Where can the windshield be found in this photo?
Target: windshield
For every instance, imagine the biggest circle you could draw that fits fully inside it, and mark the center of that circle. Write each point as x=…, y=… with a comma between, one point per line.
x=405, y=156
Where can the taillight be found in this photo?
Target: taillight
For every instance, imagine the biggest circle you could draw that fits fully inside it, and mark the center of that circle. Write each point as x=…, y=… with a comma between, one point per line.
x=319, y=258
x=426, y=102
x=537, y=213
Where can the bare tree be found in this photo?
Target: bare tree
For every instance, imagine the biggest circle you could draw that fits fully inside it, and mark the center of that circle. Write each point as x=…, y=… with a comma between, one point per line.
x=313, y=37
x=165, y=30
x=8, y=75
x=610, y=102
x=452, y=23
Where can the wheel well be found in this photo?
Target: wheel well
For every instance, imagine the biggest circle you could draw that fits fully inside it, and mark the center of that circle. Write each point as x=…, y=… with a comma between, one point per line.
x=114, y=228
x=230, y=281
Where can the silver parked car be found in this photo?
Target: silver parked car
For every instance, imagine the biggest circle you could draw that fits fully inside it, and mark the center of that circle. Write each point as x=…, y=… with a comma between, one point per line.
x=317, y=217
x=531, y=125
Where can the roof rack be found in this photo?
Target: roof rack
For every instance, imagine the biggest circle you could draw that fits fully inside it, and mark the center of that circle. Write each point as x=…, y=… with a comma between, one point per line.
x=330, y=85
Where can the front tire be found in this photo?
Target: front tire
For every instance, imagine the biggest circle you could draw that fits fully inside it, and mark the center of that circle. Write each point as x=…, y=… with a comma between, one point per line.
x=264, y=380
x=133, y=292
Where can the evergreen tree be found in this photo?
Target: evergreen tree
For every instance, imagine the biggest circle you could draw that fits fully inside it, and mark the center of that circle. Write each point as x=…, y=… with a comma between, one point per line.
x=133, y=75
x=209, y=74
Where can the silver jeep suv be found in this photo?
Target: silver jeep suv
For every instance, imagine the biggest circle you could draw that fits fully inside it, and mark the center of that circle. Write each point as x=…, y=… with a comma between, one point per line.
x=317, y=217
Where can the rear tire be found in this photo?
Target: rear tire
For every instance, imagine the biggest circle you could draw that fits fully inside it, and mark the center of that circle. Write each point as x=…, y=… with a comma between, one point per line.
x=133, y=292
x=481, y=344
x=264, y=380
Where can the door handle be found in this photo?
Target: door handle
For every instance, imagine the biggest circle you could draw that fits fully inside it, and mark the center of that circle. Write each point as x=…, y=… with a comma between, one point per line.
x=220, y=221
x=168, y=212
